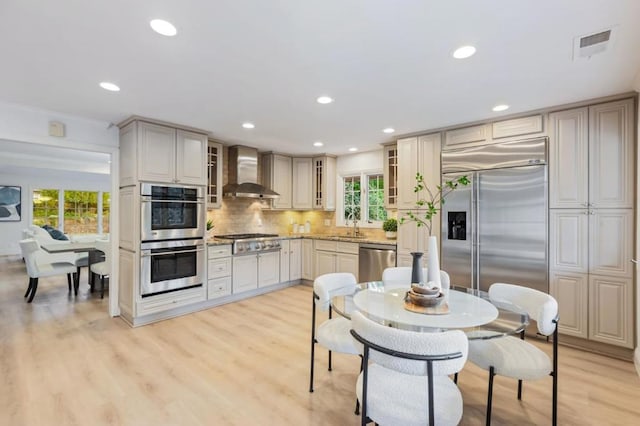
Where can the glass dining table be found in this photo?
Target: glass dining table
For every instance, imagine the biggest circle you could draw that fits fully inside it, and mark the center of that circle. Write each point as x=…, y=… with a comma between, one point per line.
x=469, y=310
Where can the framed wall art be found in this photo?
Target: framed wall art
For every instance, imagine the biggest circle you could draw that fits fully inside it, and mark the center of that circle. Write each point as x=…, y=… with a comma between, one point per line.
x=10, y=203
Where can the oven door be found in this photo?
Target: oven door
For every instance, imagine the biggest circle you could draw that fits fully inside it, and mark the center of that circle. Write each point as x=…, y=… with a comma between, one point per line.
x=171, y=212
x=171, y=265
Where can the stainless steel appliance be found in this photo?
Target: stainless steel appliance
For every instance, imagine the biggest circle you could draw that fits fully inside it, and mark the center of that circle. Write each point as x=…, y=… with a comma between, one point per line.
x=171, y=265
x=373, y=259
x=495, y=229
x=243, y=175
x=251, y=243
x=171, y=212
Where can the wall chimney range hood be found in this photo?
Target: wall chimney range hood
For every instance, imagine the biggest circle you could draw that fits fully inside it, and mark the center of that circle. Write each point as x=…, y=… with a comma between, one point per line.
x=243, y=175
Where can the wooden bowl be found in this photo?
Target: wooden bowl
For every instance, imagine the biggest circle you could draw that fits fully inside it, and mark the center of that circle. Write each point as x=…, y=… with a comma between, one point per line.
x=425, y=290
x=423, y=299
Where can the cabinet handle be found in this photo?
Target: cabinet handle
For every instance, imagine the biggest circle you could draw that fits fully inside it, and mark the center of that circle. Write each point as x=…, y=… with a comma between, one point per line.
x=585, y=212
x=635, y=261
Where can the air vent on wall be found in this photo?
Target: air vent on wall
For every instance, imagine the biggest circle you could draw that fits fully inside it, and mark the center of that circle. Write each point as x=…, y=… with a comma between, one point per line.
x=588, y=45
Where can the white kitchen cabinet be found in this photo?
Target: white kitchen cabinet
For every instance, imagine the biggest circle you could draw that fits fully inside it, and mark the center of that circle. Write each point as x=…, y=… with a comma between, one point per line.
x=325, y=262
x=571, y=291
x=302, y=185
x=277, y=176
x=324, y=183
x=391, y=176
x=569, y=240
x=611, y=310
x=285, y=260
x=466, y=136
x=214, y=174
x=268, y=268
x=307, y=260
x=336, y=256
x=245, y=273
x=517, y=127
x=158, y=153
x=417, y=155
x=295, y=260
x=611, y=240
x=347, y=263
x=219, y=269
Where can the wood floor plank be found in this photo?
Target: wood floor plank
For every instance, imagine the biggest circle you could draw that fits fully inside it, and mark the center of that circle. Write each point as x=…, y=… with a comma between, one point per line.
x=63, y=361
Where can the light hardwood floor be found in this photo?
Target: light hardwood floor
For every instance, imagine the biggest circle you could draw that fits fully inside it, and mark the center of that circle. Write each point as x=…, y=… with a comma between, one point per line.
x=63, y=361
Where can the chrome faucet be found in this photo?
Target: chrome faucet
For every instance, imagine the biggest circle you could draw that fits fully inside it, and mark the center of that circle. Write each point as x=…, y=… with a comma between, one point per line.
x=356, y=230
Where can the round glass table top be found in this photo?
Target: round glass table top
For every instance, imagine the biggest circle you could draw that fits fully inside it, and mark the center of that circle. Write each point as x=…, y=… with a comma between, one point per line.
x=471, y=311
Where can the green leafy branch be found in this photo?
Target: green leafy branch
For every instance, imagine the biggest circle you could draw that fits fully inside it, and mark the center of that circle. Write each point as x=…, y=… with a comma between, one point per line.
x=432, y=201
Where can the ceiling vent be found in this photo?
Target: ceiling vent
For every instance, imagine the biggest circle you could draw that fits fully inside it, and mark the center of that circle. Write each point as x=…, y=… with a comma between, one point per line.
x=588, y=45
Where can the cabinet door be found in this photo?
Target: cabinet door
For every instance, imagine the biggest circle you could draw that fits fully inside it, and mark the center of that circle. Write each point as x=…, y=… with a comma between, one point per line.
x=214, y=175
x=281, y=181
x=156, y=153
x=611, y=154
x=295, y=259
x=610, y=310
x=429, y=166
x=218, y=287
x=191, y=154
x=268, y=268
x=245, y=273
x=568, y=240
x=611, y=242
x=572, y=293
x=407, y=169
x=347, y=263
x=307, y=260
x=568, y=158
x=285, y=260
x=329, y=178
x=411, y=237
x=391, y=176
x=128, y=171
x=325, y=262
x=302, y=183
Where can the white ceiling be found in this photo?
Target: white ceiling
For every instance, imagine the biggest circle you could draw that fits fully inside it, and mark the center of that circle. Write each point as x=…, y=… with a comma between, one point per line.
x=386, y=62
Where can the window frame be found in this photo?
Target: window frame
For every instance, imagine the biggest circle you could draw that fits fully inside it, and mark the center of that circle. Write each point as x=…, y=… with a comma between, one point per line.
x=364, y=198
x=61, y=207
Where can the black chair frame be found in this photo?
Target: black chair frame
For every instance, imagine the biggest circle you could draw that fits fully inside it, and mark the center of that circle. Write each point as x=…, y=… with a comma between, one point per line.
x=430, y=359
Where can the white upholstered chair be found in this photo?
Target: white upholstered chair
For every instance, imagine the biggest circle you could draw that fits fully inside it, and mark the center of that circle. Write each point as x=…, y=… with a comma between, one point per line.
x=400, y=276
x=102, y=269
x=514, y=357
x=334, y=333
x=406, y=382
x=37, y=269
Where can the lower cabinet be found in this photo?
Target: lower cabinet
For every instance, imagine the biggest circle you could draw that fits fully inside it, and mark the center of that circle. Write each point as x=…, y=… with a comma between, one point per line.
x=336, y=256
x=218, y=271
x=268, y=268
x=307, y=260
x=255, y=270
x=290, y=260
x=571, y=290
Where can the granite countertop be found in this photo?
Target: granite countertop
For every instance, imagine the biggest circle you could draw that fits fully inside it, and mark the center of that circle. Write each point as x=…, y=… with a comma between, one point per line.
x=332, y=237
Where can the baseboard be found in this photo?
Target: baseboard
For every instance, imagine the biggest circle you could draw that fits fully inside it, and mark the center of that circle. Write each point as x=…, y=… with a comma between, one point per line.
x=636, y=359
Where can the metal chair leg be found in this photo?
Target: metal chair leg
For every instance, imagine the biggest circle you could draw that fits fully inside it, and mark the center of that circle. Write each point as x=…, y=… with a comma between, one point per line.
x=313, y=339
x=34, y=288
x=76, y=283
x=29, y=287
x=357, y=412
x=519, y=388
x=102, y=287
x=490, y=395
x=329, y=360
x=455, y=378
x=69, y=282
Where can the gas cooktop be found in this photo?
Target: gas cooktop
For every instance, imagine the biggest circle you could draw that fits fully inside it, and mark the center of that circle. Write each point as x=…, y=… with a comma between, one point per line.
x=249, y=243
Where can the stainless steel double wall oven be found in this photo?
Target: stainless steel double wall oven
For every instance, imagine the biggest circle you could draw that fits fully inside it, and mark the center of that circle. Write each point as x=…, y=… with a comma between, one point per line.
x=172, y=234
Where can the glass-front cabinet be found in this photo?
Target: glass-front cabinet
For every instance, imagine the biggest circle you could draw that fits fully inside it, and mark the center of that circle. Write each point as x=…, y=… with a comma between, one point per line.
x=391, y=176
x=214, y=175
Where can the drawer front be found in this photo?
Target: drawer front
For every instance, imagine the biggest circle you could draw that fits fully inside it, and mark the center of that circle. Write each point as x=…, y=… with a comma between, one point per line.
x=164, y=302
x=218, y=287
x=217, y=268
x=351, y=248
x=325, y=245
x=214, y=252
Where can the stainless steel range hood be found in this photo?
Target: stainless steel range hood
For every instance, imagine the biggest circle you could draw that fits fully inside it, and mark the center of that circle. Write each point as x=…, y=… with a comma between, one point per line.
x=243, y=175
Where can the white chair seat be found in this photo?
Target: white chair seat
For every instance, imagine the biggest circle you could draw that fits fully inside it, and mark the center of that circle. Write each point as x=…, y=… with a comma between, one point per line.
x=100, y=268
x=399, y=399
x=511, y=357
x=58, y=268
x=335, y=335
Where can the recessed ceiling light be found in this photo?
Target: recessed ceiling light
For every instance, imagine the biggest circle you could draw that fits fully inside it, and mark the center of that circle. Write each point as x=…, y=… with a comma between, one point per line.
x=324, y=100
x=163, y=27
x=248, y=125
x=353, y=149
x=109, y=86
x=318, y=143
x=389, y=130
x=464, y=52
x=501, y=107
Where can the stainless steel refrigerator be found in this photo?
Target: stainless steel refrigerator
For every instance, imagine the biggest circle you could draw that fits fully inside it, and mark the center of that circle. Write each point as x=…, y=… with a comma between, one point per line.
x=495, y=228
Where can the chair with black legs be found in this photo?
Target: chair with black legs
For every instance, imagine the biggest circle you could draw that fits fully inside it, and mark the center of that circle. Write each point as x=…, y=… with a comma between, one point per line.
x=37, y=269
x=102, y=269
x=334, y=333
x=514, y=357
x=405, y=376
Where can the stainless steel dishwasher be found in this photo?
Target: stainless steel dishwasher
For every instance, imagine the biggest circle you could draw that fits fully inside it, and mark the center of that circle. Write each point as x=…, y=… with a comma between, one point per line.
x=373, y=259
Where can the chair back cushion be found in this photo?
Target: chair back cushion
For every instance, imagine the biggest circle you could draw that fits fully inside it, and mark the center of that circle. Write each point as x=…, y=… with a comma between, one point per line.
x=540, y=306
x=419, y=343
x=335, y=284
x=105, y=247
x=55, y=233
x=400, y=276
x=29, y=248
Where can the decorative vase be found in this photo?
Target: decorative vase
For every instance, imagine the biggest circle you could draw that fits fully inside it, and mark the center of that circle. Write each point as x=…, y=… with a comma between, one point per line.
x=433, y=264
x=391, y=235
x=416, y=268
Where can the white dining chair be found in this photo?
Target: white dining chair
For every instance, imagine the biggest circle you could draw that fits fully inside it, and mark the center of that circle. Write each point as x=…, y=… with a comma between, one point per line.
x=334, y=333
x=406, y=381
x=103, y=268
x=514, y=357
x=400, y=276
x=37, y=269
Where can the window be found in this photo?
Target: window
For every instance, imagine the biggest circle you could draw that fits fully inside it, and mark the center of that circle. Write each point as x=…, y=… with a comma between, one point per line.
x=363, y=199
x=83, y=212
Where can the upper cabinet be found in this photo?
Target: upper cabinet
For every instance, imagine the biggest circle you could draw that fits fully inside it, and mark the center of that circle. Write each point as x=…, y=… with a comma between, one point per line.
x=276, y=175
x=302, y=185
x=214, y=174
x=417, y=155
x=498, y=131
x=591, y=156
x=158, y=153
x=324, y=183
x=391, y=176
